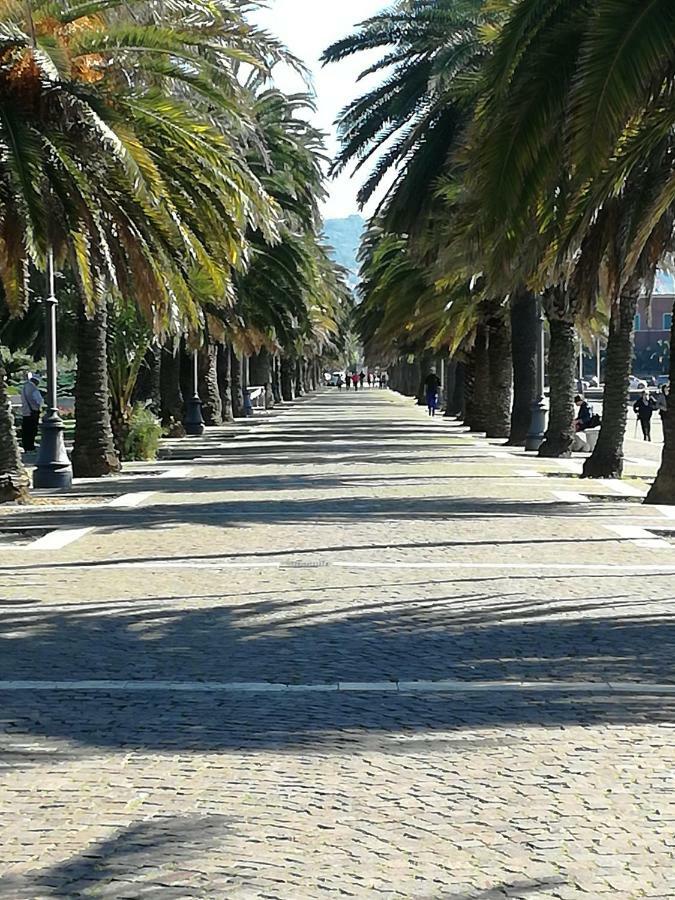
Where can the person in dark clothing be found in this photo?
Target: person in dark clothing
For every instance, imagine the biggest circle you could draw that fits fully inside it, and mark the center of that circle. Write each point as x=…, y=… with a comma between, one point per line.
x=355, y=381
x=644, y=408
x=362, y=378
x=584, y=414
x=432, y=385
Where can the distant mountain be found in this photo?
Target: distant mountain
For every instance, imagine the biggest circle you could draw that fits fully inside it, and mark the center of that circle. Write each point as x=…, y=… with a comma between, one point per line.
x=344, y=236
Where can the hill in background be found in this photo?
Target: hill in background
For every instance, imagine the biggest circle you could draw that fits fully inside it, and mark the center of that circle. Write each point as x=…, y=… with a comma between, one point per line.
x=344, y=236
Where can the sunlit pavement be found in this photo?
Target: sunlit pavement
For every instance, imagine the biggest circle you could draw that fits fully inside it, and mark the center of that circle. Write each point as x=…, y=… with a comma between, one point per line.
x=343, y=649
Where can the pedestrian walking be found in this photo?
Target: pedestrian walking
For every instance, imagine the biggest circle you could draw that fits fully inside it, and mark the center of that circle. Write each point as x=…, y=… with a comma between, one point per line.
x=348, y=380
x=31, y=404
x=432, y=385
x=662, y=402
x=340, y=382
x=371, y=379
x=383, y=380
x=362, y=378
x=355, y=381
x=644, y=408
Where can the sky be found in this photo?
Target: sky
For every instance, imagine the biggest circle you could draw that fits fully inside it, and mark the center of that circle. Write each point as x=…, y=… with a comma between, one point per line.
x=307, y=27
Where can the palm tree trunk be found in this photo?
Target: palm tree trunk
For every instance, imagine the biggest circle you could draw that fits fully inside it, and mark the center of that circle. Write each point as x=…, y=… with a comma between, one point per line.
x=663, y=489
x=212, y=407
x=500, y=386
x=287, y=372
x=562, y=357
x=276, y=378
x=457, y=397
x=261, y=375
x=299, y=384
x=469, y=385
x=306, y=383
x=93, y=449
x=13, y=477
x=147, y=389
x=481, y=386
x=524, y=331
x=449, y=387
x=224, y=372
x=606, y=461
x=169, y=382
x=237, y=383
x=425, y=362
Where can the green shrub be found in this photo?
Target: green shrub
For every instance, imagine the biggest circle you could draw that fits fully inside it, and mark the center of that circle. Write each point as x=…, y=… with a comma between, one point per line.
x=145, y=431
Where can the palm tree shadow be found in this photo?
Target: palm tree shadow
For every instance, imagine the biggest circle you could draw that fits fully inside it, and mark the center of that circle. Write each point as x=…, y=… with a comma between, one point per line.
x=147, y=847
x=514, y=890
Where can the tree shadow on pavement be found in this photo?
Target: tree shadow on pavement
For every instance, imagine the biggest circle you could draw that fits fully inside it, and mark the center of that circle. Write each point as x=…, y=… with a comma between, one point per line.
x=512, y=891
x=150, y=859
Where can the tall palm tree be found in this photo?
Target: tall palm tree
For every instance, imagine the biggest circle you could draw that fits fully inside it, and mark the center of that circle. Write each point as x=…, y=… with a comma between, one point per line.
x=122, y=163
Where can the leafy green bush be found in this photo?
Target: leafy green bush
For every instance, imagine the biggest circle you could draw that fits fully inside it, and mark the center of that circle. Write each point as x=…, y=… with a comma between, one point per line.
x=145, y=431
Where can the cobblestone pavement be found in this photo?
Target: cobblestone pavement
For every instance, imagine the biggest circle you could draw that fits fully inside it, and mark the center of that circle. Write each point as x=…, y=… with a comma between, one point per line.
x=171, y=722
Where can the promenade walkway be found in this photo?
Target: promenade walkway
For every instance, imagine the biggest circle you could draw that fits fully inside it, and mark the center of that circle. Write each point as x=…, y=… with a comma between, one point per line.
x=343, y=650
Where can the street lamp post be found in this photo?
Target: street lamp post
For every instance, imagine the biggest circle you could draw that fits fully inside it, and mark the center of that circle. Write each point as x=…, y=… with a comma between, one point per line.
x=535, y=436
x=194, y=421
x=53, y=468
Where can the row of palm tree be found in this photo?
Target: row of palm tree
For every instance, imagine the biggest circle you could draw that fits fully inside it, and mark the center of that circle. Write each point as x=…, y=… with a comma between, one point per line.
x=145, y=148
x=529, y=149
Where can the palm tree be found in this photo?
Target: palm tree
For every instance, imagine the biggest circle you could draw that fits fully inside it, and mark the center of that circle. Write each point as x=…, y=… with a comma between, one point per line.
x=132, y=187
x=13, y=476
x=542, y=157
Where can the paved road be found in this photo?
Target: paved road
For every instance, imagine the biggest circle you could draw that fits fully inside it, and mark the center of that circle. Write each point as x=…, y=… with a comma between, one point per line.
x=340, y=651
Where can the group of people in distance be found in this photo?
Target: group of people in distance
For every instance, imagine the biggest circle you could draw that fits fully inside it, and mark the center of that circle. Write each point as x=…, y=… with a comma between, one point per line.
x=644, y=407
x=360, y=379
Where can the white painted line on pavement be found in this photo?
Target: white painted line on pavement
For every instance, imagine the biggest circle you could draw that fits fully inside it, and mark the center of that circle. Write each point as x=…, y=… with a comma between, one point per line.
x=639, y=536
x=621, y=488
x=641, y=462
x=570, y=465
x=530, y=473
x=179, y=472
x=533, y=568
x=127, y=501
x=571, y=497
x=60, y=538
x=667, y=511
x=403, y=687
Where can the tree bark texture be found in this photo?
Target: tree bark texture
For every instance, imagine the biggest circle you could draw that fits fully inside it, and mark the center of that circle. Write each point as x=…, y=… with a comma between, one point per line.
x=606, y=460
x=276, y=379
x=562, y=360
x=14, y=480
x=449, y=386
x=481, y=385
x=457, y=399
x=663, y=489
x=287, y=378
x=469, y=385
x=169, y=382
x=209, y=392
x=524, y=332
x=299, y=383
x=500, y=385
x=224, y=371
x=237, y=382
x=93, y=448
